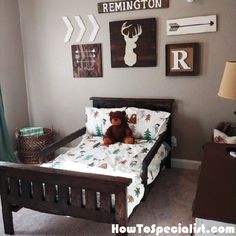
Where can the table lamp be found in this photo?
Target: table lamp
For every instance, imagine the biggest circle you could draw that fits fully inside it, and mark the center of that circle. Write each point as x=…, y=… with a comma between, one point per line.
x=228, y=82
x=228, y=87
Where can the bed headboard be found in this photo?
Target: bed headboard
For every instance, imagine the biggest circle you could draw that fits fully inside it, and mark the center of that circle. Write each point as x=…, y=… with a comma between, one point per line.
x=147, y=103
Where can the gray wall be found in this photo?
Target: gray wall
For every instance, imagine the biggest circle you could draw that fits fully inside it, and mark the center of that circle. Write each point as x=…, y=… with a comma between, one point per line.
x=57, y=100
x=12, y=77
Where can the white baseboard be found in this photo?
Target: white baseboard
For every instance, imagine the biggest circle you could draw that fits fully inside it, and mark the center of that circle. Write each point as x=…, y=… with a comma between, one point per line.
x=176, y=163
x=185, y=164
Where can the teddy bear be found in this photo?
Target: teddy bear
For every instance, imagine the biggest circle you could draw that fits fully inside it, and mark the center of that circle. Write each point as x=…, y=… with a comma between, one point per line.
x=119, y=131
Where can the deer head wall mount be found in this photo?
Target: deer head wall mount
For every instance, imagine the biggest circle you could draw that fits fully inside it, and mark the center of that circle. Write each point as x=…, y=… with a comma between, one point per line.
x=130, y=38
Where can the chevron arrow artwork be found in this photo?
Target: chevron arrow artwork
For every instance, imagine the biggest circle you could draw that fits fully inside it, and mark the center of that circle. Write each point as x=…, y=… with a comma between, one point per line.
x=82, y=28
x=192, y=25
x=95, y=28
x=70, y=29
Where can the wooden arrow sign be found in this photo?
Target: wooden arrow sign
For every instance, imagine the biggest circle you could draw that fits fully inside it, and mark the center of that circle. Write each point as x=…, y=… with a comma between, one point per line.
x=192, y=25
x=175, y=26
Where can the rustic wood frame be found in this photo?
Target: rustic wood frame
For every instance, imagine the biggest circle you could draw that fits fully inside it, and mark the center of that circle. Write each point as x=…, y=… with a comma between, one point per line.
x=196, y=58
x=146, y=44
x=95, y=63
x=60, y=191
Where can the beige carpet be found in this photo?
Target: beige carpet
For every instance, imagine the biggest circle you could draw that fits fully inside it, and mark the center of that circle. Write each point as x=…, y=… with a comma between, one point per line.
x=169, y=203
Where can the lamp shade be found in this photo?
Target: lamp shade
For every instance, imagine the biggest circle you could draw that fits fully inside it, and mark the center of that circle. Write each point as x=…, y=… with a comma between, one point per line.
x=228, y=83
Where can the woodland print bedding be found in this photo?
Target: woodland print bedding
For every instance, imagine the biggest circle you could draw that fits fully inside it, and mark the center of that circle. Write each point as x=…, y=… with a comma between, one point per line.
x=145, y=123
x=119, y=159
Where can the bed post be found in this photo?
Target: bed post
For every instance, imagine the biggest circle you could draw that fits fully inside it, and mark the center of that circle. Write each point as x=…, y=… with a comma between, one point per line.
x=121, y=210
x=6, y=208
x=7, y=218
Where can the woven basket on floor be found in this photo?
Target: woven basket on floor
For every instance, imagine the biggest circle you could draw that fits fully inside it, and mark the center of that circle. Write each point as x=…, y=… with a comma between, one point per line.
x=29, y=146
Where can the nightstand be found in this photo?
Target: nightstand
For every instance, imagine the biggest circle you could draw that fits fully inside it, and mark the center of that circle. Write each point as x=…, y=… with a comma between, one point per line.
x=216, y=191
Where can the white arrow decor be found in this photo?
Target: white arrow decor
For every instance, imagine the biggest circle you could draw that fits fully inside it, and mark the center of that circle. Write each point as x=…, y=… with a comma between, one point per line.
x=82, y=28
x=192, y=25
x=69, y=29
x=95, y=28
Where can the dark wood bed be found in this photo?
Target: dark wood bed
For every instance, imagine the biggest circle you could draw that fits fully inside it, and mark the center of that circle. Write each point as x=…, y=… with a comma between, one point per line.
x=60, y=191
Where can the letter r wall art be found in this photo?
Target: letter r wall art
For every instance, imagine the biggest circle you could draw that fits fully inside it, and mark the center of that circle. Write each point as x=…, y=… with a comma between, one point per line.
x=182, y=59
x=133, y=43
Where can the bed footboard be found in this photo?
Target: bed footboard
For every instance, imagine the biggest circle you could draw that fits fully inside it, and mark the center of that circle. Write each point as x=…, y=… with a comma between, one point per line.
x=62, y=192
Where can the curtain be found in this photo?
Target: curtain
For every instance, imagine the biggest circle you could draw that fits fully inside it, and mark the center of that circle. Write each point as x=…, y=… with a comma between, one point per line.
x=6, y=149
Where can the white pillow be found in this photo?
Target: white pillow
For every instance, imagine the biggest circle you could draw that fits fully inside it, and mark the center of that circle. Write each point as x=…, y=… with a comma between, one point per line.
x=147, y=124
x=220, y=137
x=98, y=120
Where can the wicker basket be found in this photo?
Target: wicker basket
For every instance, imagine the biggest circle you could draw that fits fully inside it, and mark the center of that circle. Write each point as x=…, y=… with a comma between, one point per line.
x=29, y=146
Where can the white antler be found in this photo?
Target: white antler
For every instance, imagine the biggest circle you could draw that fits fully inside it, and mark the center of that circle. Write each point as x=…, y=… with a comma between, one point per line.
x=138, y=31
x=125, y=27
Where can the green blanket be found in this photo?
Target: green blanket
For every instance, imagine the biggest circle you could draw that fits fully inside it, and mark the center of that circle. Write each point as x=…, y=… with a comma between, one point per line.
x=6, y=149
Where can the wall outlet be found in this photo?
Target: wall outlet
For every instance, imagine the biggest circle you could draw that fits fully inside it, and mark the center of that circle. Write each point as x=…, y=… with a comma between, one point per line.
x=173, y=141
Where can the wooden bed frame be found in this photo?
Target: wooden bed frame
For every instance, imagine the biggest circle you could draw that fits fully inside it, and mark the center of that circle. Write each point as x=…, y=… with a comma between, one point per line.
x=60, y=191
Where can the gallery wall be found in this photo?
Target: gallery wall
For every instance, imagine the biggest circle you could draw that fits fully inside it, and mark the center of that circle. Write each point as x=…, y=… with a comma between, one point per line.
x=12, y=78
x=57, y=100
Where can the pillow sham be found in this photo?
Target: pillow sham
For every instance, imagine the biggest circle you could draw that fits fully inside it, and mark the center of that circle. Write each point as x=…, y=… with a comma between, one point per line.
x=147, y=124
x=98, y=120
x=220, y=137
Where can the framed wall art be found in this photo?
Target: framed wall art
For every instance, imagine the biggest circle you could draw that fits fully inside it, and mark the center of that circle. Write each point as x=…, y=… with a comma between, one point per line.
x=192, y=25
x=182, y=59
x=133, y=43
x=87, y=60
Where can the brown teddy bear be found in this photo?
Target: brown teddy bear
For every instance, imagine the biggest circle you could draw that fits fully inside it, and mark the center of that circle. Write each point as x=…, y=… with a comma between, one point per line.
x=119, y=131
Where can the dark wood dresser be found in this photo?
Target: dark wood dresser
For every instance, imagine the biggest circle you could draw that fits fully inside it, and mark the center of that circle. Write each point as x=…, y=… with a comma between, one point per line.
x=216, y=192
